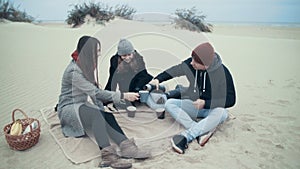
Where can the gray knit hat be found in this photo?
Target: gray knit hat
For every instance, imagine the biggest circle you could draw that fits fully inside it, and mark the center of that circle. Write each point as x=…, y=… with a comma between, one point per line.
x=125, y=47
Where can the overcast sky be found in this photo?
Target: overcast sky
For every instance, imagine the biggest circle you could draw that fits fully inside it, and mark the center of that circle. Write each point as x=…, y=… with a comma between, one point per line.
x=246, y=11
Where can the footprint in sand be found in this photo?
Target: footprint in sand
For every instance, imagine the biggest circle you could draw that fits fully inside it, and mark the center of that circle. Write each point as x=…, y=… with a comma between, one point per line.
x=267, y=113
x=284, y=118
x=290, y=83
x=8, y=154
x=247, y=127
x=264, y=141
x=248, y=118
x=280, y=102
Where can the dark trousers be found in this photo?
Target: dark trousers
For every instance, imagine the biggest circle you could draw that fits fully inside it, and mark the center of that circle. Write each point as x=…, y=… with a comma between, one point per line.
x=102, y=124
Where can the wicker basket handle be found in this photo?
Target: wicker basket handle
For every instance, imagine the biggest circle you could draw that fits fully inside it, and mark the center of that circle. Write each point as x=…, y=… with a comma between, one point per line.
x=13, y=114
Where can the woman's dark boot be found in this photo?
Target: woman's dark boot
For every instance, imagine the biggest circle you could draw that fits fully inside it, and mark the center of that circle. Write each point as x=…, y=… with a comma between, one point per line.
x=110, y=158
x=130, y=150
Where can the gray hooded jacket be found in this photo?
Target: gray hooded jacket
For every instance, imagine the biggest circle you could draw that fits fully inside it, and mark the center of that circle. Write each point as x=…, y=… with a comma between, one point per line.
x=75, y=89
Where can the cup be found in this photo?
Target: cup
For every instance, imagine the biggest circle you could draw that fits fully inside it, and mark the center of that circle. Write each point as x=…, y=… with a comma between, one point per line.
x=131, y=111
x=160, y=113
x=143, y=95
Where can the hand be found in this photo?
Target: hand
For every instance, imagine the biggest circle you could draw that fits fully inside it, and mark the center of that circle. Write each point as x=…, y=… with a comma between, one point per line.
x=130, y=96
x=199, y=104
x=155, y=82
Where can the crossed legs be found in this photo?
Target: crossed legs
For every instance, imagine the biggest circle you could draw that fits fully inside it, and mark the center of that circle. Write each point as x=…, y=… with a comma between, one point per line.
x=184, y=112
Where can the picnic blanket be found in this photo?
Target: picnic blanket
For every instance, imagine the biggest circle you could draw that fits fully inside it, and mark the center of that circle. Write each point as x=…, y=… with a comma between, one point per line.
x=148, y=131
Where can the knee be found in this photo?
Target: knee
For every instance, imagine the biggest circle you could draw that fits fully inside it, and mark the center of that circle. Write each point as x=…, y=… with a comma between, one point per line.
x=170, y=103
x=222, y=113
x=106, y=115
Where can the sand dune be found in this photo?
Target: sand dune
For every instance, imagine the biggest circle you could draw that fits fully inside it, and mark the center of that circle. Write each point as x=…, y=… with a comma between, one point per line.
x=264, y=62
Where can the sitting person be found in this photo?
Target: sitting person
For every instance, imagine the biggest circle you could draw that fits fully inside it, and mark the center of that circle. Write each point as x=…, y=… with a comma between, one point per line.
x=127, y=69
x=210, y=91
x=78, y=116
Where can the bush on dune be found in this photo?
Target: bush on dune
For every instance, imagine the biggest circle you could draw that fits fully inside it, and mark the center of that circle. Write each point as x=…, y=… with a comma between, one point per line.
x=101, y=12
x=98, y=11
x=192, y=20
x=124, y=11
x=11, y=13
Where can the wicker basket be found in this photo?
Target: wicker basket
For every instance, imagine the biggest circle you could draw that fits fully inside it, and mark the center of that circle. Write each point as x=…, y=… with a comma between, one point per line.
x=23, y=141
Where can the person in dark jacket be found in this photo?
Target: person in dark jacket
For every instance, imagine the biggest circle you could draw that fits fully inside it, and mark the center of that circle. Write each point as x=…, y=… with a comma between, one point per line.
x=211, y=90
x=127, y=69
x=78, y=116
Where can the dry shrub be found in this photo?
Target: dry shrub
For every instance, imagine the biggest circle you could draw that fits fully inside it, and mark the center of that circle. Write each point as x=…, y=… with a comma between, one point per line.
x=11, y=13
x=100, y=11
x=192, y=20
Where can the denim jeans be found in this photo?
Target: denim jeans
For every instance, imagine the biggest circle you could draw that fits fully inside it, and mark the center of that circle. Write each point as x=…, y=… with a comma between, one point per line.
x=151, y=101
x=184, y=112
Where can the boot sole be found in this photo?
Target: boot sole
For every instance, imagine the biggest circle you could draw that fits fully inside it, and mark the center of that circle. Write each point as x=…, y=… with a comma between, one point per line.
x=177, y=149
x=136, y=158
x=121, y=165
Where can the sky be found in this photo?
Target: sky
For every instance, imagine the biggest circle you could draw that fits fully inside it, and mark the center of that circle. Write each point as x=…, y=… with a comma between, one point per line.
x=231, y=11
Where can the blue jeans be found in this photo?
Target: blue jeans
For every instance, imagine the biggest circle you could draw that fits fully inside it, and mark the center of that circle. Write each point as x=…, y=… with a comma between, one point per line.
x=184, y=112
x=151, y=100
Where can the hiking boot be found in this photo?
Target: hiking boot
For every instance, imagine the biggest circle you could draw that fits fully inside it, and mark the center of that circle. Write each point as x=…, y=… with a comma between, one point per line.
x=179, y=143
x=110, y=158
x=130, y=150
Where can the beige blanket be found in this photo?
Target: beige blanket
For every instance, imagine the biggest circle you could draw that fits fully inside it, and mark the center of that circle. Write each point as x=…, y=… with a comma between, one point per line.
x=148, y=131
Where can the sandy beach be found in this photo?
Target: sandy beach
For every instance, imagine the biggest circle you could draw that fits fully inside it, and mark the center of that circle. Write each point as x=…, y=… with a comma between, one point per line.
x=264, y=62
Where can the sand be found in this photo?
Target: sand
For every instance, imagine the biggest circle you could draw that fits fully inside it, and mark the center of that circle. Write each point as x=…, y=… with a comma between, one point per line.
x=263, y=60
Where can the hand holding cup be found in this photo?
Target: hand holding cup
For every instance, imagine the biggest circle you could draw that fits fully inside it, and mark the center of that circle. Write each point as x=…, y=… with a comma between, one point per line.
x=143, y=95
x=131, y=96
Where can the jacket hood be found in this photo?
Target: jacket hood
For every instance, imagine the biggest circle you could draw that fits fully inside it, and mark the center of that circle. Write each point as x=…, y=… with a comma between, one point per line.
x=217, y=62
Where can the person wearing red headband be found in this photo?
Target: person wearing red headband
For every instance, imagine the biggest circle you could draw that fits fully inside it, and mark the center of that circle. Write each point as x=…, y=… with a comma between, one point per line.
x=78, y=116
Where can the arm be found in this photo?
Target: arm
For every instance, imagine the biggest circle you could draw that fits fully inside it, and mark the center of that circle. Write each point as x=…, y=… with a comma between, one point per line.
x=80, y=82
x=225, y=95
x=231, y=95
x=100, y=96
x=140, y=80
x=174, y=71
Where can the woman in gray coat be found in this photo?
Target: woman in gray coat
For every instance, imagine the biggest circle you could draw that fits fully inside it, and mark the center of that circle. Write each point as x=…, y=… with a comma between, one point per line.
x=78, y=116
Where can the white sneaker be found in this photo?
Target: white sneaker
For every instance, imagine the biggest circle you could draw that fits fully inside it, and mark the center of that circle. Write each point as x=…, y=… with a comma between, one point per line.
x=205, y=138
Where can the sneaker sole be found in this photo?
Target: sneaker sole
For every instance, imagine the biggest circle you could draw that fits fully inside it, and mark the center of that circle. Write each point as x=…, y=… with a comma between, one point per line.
x=206, y=137
x=178, y=150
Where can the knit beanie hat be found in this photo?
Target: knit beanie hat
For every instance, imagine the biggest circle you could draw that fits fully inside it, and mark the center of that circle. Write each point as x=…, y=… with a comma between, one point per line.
x=125, y=47
x=204, y=54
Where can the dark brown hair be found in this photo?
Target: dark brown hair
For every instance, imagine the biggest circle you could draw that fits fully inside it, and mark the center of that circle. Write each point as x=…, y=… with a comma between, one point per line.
x=88, y=58
x=134, y=65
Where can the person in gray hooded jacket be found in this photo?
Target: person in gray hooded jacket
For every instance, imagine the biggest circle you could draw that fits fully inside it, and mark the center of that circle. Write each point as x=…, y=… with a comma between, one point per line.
x=78, y=116
x=210, y=91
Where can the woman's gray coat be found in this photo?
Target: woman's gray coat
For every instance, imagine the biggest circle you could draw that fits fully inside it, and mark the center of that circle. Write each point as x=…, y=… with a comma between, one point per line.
x=75, y=90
